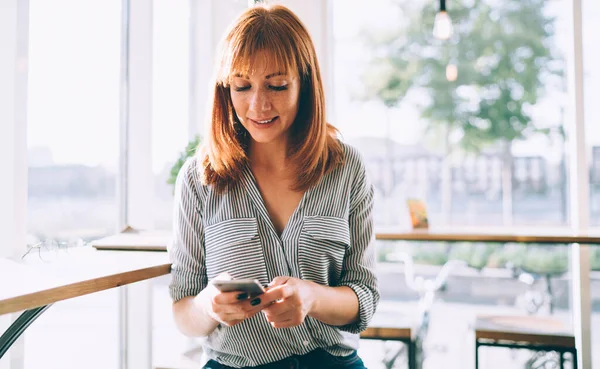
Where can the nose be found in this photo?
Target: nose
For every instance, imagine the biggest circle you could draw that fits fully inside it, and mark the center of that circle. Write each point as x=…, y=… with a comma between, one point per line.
x=259, y=101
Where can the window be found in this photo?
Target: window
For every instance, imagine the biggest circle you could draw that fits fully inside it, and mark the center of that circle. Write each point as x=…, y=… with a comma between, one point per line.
x=73, y=145
x=73, y=118
x=482, y=146
x=475, y=126
x=171, y=99
x=591, y=37
x=591, y=58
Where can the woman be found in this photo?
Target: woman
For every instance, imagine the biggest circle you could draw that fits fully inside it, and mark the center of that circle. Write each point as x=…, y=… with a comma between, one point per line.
x=273, y=195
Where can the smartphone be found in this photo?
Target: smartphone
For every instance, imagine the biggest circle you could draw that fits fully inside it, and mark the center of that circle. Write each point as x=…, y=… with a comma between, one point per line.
x=251, y=286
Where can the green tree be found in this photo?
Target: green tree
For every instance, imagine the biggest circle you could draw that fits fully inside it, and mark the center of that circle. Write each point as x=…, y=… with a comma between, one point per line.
x=503, y=55
x=187, y=153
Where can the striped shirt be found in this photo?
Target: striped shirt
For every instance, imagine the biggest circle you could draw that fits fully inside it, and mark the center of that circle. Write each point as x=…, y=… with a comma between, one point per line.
x=328, y=240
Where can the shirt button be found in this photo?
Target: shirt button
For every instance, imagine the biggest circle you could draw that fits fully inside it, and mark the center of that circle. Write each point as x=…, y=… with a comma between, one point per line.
x=306, y=343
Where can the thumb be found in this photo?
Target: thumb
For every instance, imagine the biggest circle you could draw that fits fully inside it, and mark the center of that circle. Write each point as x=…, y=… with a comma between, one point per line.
x=278, y=281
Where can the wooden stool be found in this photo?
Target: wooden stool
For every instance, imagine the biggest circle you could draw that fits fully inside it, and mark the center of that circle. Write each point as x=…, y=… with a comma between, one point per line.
x=524, y=332
x=389, y=333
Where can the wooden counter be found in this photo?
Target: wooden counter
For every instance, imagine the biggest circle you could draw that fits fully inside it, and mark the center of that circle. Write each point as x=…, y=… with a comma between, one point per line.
x=158, y=240
x=33, y=282
x=556, y=235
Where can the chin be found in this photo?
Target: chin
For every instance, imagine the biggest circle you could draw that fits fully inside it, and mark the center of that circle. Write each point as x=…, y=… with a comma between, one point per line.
x=264, y=139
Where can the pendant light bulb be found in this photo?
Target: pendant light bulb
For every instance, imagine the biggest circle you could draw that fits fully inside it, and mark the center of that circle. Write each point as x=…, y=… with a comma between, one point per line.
x=451, y=72
x=442, y=25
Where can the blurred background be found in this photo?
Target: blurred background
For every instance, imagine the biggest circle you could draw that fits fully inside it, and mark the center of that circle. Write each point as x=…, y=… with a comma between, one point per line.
x=476, y=126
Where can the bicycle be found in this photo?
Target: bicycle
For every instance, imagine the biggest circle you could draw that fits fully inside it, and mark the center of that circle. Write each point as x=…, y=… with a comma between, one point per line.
x=427, y=288
x=539, y=298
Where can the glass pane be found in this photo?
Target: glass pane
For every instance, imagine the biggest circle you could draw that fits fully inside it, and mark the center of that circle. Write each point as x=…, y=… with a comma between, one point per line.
x=520, y=282
x=591, y=58
x=474, y=125
x=77, y=333
x=171, y=99
x=73, y=130
x=73, y=143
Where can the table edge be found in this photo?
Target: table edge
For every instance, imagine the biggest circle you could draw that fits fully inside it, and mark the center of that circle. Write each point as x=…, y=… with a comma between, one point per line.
x=81, y=288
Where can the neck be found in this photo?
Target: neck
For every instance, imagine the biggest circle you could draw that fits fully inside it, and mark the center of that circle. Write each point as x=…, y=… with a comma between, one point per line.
x=271, y=156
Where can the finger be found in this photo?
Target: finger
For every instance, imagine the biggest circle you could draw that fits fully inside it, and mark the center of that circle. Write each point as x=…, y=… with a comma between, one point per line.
x=286, y=323
x=224, y=276
x=281, y=315
x=236, y=308
x=225, y=314
x=278, y=281
x=278, y=308
x=254, y=305
x=278, y=293
x=234, y=297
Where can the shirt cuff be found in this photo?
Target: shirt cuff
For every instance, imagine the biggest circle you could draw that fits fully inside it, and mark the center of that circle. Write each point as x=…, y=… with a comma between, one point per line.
x=366, y=308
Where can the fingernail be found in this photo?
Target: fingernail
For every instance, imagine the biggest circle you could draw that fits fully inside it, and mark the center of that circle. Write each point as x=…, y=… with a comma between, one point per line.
x=255, y=302
x=242, y=296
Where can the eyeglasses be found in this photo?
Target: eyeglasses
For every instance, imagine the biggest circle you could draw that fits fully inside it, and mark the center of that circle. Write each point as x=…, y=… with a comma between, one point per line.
x=49, y=249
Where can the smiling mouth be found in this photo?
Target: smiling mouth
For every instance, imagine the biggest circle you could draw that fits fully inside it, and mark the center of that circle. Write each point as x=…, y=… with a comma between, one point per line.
x=267, y=121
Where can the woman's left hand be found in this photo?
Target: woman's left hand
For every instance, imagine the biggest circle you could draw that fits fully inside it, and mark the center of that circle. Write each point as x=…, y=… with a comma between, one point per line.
x=292, y=300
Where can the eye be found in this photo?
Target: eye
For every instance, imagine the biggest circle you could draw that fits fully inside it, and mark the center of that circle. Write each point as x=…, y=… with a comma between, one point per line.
x=241, y=88
x=278, y=88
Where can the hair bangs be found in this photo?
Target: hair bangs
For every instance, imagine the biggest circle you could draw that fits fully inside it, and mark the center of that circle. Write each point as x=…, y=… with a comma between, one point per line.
x=265, y=38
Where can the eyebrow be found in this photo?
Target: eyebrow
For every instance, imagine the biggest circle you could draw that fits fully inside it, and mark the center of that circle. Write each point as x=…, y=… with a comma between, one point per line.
x=267, y=77
x=275, y=75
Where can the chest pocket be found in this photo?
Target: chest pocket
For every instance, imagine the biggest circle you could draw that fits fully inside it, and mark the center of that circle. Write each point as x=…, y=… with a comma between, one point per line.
x=234, y=246
x=323, y=245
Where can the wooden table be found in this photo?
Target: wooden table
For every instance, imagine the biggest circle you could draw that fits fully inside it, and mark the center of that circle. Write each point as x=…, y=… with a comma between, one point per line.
x=535, y=333
x=158, y=240
x=557, y=235
x=34, y=284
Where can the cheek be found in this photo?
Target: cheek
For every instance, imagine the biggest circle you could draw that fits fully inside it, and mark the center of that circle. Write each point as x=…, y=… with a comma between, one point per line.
x=290, y=102
x=238, y=104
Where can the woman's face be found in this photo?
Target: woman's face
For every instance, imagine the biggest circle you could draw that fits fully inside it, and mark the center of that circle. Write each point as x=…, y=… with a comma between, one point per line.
x=266, y=101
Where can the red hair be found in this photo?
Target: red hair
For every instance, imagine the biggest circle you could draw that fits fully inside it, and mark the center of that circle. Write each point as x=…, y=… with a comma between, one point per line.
x=314, y=148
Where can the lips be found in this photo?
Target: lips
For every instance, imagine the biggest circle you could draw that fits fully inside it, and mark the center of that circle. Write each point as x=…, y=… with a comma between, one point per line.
x=264, y=121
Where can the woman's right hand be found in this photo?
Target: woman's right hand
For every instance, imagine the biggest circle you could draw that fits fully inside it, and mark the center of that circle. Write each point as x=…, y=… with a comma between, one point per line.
x=228, y=308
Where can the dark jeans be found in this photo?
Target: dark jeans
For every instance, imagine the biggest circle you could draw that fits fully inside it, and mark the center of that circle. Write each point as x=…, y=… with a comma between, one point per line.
x=317, y=359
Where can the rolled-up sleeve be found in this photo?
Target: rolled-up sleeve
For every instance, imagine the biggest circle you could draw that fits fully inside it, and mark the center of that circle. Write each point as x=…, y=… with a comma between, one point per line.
x=359, y=263
x=186, y=249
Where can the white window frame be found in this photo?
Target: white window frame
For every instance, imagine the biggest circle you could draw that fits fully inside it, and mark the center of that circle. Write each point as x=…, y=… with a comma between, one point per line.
x=135, y=181
x=201, y=45
x=14, y=38
x=136, y=190
x=579, y=180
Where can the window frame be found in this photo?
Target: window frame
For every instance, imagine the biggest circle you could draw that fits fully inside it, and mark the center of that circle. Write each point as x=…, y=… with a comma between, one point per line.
x=135, y=196
x=14, y=36
x=579, y=185
x=14, y=33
